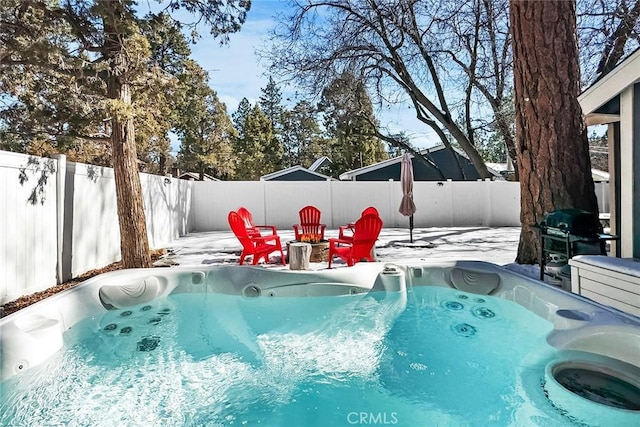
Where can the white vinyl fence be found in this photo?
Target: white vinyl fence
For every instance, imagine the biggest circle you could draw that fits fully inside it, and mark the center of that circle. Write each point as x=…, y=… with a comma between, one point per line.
x=59, y=219
x=28, y=220
x=449, y=203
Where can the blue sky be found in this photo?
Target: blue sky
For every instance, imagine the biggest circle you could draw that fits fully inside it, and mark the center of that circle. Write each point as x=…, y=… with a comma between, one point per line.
x=235, y=71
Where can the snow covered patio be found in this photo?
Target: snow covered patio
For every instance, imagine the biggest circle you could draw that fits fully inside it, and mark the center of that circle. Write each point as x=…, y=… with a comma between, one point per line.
x=498, y=245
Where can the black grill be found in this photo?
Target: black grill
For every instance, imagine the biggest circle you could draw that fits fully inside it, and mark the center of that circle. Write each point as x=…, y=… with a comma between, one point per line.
x=576, y=222
x=568, y=232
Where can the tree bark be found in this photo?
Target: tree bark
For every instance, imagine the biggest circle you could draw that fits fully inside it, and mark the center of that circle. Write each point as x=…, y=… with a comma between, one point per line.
x=134, y=243
x=551, y=139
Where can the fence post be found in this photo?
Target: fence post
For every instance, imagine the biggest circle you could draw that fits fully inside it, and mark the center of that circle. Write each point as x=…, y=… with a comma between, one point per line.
x=488, y=202
x=450, y=186
x=61, y=174
x=390, y=210
x=331, y=220
x=265, y=203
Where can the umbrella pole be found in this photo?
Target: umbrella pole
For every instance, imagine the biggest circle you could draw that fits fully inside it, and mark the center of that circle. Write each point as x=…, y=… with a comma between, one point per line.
x=411, y=228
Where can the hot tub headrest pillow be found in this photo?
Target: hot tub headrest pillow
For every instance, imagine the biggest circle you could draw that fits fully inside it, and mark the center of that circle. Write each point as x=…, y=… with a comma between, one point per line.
x=476, y=282
x=118, y=296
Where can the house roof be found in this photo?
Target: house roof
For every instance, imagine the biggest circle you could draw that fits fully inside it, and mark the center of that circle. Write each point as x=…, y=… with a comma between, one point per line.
x=295, y=173
x=195, y=176
x=499, y=167
x=350, y=175
x=595, y=100
x=320, y=162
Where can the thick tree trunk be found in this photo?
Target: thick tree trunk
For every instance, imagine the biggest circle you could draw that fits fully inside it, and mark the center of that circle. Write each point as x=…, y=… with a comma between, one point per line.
x=551, y=139
x=134, y=242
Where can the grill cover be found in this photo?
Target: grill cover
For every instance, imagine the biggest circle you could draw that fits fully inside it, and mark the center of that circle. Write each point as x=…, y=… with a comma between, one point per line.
x=577, y=222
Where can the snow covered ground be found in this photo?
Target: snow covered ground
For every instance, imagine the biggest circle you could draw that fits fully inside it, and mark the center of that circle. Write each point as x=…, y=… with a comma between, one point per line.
x=498, y=245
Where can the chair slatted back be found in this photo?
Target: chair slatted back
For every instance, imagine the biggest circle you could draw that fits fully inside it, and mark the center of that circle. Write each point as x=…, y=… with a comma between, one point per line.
x=366, y=232
x=247, y=218
x=238, y=226
x=310, y=220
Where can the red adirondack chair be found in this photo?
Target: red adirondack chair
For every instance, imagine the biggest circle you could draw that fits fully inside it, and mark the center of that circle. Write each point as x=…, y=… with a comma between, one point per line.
x=252, y=229
x=366, y=232
x=258, y=246
x=309, y=223
x=349, y=227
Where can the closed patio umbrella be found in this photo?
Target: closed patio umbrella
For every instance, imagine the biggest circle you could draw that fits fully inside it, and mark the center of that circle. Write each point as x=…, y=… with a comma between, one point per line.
x=407, y=207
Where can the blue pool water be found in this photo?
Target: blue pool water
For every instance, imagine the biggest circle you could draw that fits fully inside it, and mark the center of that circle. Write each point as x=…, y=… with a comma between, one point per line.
x=431, y=356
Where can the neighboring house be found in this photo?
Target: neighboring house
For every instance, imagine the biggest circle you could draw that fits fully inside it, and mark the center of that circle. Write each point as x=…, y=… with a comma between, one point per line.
x=614, y=100
x=195, y=176
x=499, y=167
x=505, y=169
x=446, y=160
x=321, y=163
x=295, y=173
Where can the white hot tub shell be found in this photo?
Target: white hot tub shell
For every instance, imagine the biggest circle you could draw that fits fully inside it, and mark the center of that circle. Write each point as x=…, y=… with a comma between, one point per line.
x=30, y=336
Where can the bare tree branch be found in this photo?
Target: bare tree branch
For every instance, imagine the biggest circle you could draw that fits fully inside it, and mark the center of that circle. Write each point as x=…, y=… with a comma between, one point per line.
x=614, y=47
x=386, y=44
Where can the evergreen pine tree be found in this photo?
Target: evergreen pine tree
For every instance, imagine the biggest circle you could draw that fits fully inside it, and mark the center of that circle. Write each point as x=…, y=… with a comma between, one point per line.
x=204, y=127
x=258, y=150
x=350, y=124
x=240, y=115
x=271, y=103
x=302, y=138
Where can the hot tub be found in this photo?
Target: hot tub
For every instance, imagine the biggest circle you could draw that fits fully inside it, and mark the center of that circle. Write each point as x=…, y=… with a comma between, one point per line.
x=374, y=343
